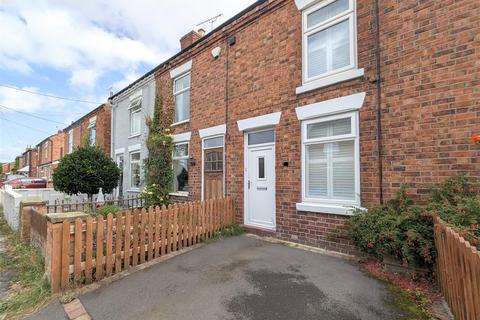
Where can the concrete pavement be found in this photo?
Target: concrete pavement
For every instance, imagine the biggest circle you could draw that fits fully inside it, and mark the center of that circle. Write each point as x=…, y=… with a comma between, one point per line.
x=241, y=278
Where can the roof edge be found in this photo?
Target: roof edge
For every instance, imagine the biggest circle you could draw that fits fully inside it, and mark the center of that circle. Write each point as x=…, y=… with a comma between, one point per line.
x=208, y=35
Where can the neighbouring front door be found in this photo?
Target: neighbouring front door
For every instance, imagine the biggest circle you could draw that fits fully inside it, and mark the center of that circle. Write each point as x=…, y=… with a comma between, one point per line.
x=260, y=179
x=213, y=168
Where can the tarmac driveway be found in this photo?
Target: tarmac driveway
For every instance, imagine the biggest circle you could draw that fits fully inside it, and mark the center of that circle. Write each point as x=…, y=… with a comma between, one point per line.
x=242, y=278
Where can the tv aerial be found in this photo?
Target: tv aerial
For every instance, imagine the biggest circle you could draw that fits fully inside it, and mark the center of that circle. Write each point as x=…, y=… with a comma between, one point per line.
x=211, y=20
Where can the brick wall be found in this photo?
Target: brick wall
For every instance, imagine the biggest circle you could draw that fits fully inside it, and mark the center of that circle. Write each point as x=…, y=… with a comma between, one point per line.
x=103, y=127
x=429, y=101
x=47, y=157
x=33, y=226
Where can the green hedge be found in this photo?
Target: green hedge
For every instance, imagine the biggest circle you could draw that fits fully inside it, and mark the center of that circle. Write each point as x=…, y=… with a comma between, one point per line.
x=405, y=231
x=397, y=229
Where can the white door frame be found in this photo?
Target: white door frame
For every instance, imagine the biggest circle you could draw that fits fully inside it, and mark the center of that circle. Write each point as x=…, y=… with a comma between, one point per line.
x=117, y=156
x=245, y=174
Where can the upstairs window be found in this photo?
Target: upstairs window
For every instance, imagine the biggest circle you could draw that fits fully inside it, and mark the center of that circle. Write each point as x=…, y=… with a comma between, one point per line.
x=45, y=149
x=328, y=39
x=135, y=117
x=181, y=92
x=70, y=141
x=92, y=130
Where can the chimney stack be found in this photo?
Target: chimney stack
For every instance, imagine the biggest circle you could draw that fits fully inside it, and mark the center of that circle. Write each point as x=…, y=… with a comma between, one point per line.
x=190, y=38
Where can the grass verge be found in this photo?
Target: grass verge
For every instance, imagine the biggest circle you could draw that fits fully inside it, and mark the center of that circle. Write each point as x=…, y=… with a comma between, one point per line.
x=413, y=297
x=29, y=287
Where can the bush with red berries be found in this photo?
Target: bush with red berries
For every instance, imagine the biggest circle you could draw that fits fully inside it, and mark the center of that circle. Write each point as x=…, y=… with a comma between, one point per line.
x=405, y=231
x=457, y=202
x=398, y=228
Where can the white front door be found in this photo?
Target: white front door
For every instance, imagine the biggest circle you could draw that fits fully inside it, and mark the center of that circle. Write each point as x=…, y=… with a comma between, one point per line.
x=260, y=180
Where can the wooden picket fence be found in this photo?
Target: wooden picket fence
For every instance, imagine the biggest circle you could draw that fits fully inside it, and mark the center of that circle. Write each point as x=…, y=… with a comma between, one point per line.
x=458, y=267
x=96, y=248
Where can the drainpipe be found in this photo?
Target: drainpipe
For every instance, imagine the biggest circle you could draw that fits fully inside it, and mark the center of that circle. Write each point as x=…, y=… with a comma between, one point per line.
x=378, y=98
x=227, y=45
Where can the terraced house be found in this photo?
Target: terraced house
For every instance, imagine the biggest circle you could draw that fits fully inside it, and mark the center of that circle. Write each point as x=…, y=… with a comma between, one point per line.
x=301, y=110
x=28, y=162
x=95, y=127
x=129, y=132
x=49, y=153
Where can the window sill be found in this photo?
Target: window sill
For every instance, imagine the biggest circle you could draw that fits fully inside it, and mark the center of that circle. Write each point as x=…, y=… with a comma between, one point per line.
x=326, y=208
x=135, y=190
x=179, y=194
x=134, y=136
x=179, y=123
x=332, y=79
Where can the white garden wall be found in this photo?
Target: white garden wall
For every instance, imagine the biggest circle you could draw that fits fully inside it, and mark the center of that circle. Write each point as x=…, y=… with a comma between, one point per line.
x=10, y=201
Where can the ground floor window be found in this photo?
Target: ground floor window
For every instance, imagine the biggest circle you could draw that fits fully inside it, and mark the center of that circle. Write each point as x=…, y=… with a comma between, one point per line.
x=213, y=167
x=180, y=167
x=330, y=159
x=135, y=169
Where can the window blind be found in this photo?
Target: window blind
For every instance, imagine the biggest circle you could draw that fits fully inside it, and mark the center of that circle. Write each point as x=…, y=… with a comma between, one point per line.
x=330, y=170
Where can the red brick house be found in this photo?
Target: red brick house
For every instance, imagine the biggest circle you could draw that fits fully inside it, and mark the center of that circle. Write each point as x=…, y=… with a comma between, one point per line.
x=95, y=126
x=28, y=162
x=301, y=110
x=49, y=153
x=7, y=167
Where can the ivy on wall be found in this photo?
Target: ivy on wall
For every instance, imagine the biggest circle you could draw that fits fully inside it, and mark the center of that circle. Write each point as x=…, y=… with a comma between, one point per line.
x=158, y=164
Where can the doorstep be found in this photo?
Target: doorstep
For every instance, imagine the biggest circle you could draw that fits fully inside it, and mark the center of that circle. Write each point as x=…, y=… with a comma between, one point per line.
x=259, y=231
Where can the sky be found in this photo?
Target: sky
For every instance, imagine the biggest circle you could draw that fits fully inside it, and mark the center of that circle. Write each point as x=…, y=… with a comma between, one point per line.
x=83, y=50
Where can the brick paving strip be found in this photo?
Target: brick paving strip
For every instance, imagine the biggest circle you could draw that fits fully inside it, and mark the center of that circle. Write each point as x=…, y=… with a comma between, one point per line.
x=76, y=311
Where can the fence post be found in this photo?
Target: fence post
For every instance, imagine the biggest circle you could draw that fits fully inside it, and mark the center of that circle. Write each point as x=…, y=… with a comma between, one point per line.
x=26, y=217
x=53, y=250
x=53, y=255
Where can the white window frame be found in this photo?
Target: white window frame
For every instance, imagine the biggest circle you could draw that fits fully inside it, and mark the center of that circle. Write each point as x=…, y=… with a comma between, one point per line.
x=342, y=74
x=45, y=149
x=176, y=192
x=70, y=141
x=354, y=135
x=130, y=173
x=92, y=125
x=345, y=15
x=222, y=135
x=176, y=93
x=135, y=107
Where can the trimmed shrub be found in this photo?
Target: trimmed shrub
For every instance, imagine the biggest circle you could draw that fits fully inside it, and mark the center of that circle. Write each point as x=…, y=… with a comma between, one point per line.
x=86, y=170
